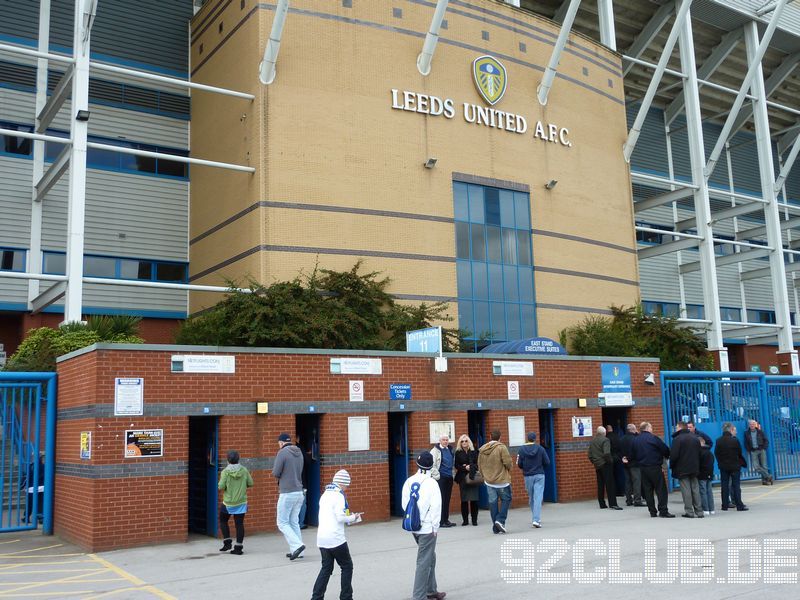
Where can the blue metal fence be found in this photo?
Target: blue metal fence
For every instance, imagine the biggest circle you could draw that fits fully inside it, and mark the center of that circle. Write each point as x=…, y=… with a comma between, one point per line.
x=711, y=398
x=27, y=450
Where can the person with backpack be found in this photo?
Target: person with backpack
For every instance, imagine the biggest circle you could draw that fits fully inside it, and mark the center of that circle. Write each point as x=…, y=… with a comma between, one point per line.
x=334, y=514
x=233, y=481
x=422, y=502
x=533, y=460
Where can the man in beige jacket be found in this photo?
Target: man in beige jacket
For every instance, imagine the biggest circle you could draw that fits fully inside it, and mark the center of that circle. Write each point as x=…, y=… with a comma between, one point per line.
x=494, y=462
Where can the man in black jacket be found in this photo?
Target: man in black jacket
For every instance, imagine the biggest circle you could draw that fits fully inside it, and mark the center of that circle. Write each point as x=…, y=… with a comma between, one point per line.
x=649, y=452
x=756, y=443
x=633, y=475
x=728, y=451
x=600, y=456
x=685, y=464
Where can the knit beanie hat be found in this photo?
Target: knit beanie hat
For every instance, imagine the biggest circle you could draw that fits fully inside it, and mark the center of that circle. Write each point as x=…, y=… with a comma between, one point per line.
x=425, y=460
x=342, y=478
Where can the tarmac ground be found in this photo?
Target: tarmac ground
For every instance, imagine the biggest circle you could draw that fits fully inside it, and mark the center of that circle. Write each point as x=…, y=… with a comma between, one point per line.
x=580, y=552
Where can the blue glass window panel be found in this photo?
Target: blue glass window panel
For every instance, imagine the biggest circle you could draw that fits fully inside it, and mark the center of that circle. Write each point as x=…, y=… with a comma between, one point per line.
x=526, y=285
x=506, y=208
x=172, y=168
x=461, y=207
x=522, y=210
x=170, y=272
x=694, y=311
x=103, y=158
x=494, y=253
x=509, y=246
x=462, y=240
x=135, y=269
x=524, y=247
x=97, y=266
x=528, y=320
x=465, y=320
x=52, y=150
x=464, y=278
x=144, y=164
x=476, y=204
x=492, y=205
x=12, y=260
x=495, y=282
x=55, y=264
x=478, y=242
x=510, y=284
x=731, y=314
x=482, y=324
x=479, y=286
x=498, y=313
x=513, y=324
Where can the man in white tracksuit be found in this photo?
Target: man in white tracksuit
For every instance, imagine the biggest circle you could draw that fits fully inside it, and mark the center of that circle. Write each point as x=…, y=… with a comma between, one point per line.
x=334, y=513
x=430, y=513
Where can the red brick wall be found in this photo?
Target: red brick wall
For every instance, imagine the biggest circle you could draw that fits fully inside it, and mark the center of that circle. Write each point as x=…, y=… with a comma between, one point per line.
x=100, y=513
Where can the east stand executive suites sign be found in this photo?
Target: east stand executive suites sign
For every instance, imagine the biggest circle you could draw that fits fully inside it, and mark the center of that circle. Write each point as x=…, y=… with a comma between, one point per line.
x=491, y=81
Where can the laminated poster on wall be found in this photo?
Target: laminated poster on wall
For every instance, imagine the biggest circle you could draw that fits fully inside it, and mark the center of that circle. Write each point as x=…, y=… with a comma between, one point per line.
x=86, y=445
x=128, y=396
x=581, y=427
x=143, y=443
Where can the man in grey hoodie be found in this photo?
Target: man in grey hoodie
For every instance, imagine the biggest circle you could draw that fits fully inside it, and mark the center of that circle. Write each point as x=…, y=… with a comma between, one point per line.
x=288, y=469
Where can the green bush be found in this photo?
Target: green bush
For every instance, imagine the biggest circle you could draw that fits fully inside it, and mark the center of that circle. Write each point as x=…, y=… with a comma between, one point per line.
x=40, y=348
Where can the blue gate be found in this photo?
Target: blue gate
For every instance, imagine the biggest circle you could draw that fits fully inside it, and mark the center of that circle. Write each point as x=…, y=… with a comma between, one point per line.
x=27, y=450
x=711, y=398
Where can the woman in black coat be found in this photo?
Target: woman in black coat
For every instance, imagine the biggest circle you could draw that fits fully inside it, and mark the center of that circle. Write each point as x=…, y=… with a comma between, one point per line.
x=466, y=463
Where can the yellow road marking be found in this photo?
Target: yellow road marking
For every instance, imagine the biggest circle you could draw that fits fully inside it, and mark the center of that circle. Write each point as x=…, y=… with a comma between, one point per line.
x=33, y=550
x=76, y=581
x=773, y=491
x=133, y=579
x=34, y=564
x=9, y=542
x=40, y=584
x=43, y=555
x=144, y=588
x=46, y=571
x=40, y=594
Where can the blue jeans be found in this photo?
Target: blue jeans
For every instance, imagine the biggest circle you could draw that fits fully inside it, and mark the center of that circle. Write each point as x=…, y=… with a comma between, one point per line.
x=706, y=494
x=535, y=486
x=503, y=496
x=302, y=518
x=288, y=515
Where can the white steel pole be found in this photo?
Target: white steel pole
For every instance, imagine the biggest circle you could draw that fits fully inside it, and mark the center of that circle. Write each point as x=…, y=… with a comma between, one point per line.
x=266, y=70
x=432, y=38
x=771, y=215
x=605, y=13
x=34, y=262
x=787, y=165
x=644, y=108
x=694, y=126
x=754, y=65
x=550, y=72
x=76, y=203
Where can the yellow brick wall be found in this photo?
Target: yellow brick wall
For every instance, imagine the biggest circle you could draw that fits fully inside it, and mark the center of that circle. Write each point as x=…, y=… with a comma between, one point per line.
x=325, y=134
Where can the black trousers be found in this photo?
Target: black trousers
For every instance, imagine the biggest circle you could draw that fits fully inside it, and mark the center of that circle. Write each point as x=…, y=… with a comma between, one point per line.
x=653, y=481
x=238, y=520
x=605, y=483
x=468, y=509
x=446, y=487
x=341, y=554
x=731, y=487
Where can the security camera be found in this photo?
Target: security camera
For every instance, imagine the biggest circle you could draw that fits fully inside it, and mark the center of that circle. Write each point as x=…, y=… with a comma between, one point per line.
x=650, y=379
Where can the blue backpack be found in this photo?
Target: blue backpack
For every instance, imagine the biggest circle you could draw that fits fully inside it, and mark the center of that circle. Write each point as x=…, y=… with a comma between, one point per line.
x=411, y=520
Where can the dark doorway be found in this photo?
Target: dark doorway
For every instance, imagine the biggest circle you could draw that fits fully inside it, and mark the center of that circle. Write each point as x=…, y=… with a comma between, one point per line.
x=476, y=430
x=617, y=417
x=547, y=439
x=203, y=455
x=398, y=460
x=307, y=429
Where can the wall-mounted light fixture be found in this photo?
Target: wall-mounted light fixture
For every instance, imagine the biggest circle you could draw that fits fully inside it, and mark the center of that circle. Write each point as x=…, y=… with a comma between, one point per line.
x=83, y=115
x=551, y=184
x=430, y=163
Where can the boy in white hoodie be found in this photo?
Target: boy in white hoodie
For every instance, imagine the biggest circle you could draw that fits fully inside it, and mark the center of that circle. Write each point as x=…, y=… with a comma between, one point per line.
x=334, y=513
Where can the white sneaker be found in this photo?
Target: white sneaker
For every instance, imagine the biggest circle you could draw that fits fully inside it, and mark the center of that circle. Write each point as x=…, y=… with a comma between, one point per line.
x=500, y=526
x=713, y=512
x=536, y=524
x=707, y=513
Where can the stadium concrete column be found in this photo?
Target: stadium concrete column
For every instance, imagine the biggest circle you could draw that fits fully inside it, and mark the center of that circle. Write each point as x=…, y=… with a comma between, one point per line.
x=76, y=203
x=605, y=13
x=694, y=124
x=771, y=215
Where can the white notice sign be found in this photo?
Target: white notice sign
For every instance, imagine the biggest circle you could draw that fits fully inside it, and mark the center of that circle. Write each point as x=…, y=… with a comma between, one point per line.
x=516, y=431
x=356, y=391
x=513, y=390
x=193, y=363
x=506, y=367
x=357, y=433
x=356, y=366
x=128, y=396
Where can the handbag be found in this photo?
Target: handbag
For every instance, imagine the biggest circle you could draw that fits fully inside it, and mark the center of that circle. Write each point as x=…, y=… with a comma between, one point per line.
x=477, y=480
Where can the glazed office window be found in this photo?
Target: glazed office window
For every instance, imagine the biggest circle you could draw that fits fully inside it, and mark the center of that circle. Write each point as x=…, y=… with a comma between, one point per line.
x=761, y=316
x=661, y=309
x=649, y=237
x=112, y=267
x=12, y=259
x=728, y=313
x=494, y=263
